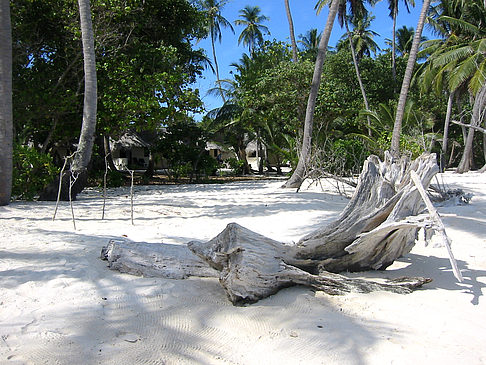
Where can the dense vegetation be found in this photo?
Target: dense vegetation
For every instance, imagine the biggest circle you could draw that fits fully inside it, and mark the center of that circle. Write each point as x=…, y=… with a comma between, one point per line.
x=147, y=61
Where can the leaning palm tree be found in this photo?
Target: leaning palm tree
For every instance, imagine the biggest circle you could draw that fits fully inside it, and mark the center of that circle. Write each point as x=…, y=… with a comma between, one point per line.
x=215, y=22
x=88, y=127
x=397, y=127
x=291, y=30
x=299, y=173
x=252, y=34
x=6, y=119
x=82, y=156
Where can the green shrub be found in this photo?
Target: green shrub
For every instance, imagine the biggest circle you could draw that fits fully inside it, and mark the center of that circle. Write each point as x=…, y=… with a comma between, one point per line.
x=235, y=165
x=32, y=172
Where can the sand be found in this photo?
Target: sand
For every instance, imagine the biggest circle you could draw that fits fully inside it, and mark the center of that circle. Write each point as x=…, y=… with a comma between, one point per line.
x=60, y=304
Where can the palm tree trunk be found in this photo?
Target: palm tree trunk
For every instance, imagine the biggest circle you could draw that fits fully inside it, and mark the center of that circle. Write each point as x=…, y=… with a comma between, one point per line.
x=108, y=154
x=358, y=75
x=478, y=114
x=88, y=127
x=397, y=128
x=446, y=132
x=216, y=68
x=483, y=169
x=394, y=46
x=6, y=118
x=292, y=33
x=299, y=174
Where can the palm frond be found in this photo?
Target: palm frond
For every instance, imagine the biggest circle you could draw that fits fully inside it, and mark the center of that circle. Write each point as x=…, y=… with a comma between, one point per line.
x=464, y=71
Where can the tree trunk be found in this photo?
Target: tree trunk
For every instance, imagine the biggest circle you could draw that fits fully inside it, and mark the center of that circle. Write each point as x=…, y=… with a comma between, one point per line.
x=299, y=174
x=477, y=115
x=108, y=155
x=242, y=157
x=150, y=172
x=291, y=30
x=397, y=128
x=443, y=155
x=6, y=117
x=86, y=138
x=216, y=67
x=82, y=157
x=484, y=152
x=378, y=225
x=358, y=75
x=394, y=46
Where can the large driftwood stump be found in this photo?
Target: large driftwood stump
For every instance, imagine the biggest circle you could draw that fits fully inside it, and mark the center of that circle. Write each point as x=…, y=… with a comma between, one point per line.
x=379, y=224
x=253, y=267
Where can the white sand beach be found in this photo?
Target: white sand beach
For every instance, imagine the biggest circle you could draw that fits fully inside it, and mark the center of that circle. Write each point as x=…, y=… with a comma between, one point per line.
x=60, y=304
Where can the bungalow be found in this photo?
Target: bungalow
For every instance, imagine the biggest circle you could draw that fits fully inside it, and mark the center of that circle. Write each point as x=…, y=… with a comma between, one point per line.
x=130, y=150
x=219, y=152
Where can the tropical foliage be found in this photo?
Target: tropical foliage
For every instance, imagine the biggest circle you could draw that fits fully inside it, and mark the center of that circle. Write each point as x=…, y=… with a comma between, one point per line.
x=148, y=61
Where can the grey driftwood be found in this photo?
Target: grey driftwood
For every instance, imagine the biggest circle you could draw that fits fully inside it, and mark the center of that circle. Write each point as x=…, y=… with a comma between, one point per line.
x=379, y=224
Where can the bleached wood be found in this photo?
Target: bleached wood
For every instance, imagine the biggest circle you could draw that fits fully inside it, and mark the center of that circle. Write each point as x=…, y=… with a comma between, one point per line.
x=439, y=225
x=155, y=260
x=385, y=195
x=379, y=224
x=253, y=267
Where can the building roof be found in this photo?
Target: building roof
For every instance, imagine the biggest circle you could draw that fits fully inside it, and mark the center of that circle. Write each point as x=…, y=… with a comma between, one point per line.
x=128, y=140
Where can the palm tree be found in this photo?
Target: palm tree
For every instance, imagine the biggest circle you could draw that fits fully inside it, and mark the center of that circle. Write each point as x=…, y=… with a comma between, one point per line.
x=458, y=60
x=88, y=127
x=397, y=127
x=215, y=22
x=393, y=7
x=253, y=32
x=298, y=175
x=291, y=30
x=360, y=35
x=6, y=119
x=310, y=43
x=403, y=40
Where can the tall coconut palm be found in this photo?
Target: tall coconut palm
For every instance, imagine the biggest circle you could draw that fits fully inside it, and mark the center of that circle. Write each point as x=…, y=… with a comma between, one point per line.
x=216, y=21
x=6, y=119
x=360, y=19
x=397, y=127
x=291, y=31
x=298, y=175
x=252, y=34
x=393, y=7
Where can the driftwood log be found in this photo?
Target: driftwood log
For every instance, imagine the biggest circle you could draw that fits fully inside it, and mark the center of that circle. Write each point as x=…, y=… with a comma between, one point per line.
x=379, y=224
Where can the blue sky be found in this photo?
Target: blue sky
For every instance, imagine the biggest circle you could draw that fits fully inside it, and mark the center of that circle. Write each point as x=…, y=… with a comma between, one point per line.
x=304, y=18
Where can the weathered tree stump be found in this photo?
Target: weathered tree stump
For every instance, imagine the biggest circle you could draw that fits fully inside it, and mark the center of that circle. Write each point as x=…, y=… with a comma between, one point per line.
x=379, y=224
x=253, y=267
